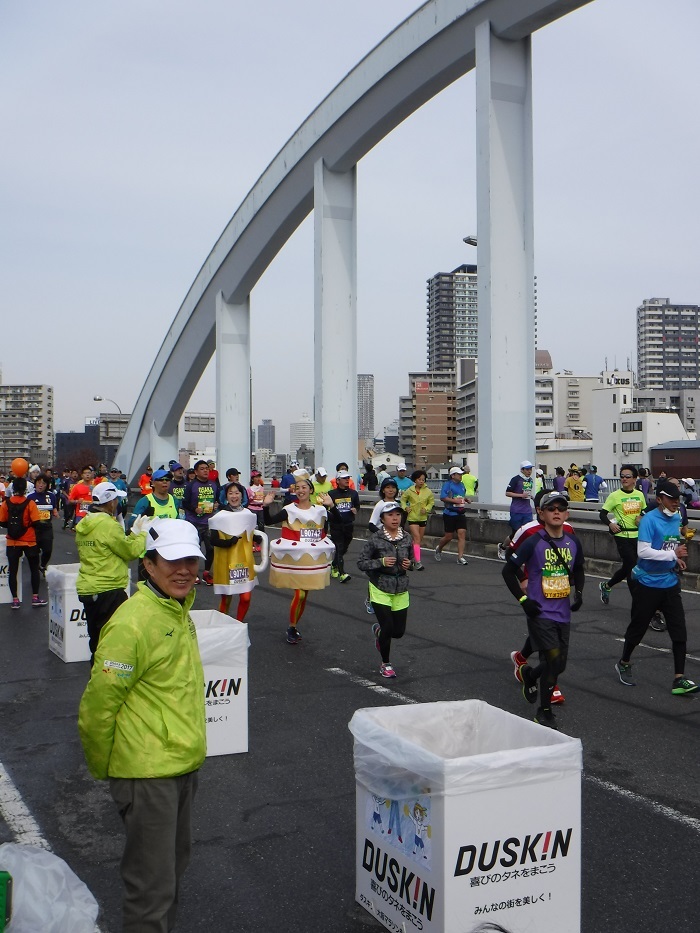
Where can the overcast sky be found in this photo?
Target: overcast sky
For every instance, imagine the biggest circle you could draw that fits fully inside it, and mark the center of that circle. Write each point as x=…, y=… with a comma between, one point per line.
x=132, y=132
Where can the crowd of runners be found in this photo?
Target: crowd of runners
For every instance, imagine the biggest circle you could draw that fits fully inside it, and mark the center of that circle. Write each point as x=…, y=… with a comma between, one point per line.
x=189, y=528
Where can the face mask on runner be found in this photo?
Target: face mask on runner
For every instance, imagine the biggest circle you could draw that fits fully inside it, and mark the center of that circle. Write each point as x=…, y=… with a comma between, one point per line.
x=669, y=513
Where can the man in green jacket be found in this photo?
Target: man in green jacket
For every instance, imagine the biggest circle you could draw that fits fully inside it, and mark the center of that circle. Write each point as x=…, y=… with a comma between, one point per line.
x=142, y=724
x=104, y=551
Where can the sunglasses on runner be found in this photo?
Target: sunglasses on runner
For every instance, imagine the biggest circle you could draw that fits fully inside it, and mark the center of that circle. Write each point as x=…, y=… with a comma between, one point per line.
x=556, y=508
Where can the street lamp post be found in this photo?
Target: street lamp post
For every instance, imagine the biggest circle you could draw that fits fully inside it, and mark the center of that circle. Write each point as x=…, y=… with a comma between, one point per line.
x=100, y=398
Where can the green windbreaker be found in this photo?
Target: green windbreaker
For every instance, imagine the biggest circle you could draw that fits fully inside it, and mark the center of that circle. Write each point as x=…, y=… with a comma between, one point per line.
x=104, y=551
x=142, y=713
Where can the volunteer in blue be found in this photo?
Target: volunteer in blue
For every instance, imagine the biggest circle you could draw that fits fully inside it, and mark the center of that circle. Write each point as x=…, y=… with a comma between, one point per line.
x=655, y=586
x=553, y=559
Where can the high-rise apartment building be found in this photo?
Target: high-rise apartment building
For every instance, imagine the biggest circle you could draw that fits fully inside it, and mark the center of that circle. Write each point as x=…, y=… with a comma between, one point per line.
x=428, y=420
x=452, y=318
x=29, y=410
x=365, y=406
x=668, y=353
x=266, y=434
x=301, y=433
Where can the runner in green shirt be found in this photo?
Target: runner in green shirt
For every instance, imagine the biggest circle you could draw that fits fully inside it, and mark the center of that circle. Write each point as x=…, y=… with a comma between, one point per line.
x=621, y=512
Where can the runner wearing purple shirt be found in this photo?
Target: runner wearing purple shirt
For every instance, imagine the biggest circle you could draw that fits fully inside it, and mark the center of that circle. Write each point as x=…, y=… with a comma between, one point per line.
x=553, y=559
x=521, y=491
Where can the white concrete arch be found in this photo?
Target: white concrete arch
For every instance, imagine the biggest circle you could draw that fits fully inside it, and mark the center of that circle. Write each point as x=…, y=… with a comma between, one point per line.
x=422, y=56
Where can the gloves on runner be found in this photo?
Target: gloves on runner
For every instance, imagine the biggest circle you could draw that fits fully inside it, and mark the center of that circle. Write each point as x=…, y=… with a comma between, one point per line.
x=531, y=607
x=578, y=602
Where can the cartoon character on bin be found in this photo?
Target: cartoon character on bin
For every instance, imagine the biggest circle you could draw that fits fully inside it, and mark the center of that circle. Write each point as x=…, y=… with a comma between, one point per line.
x=395, y=820
x=232, y=532
x=376, y=815
x=418, y=815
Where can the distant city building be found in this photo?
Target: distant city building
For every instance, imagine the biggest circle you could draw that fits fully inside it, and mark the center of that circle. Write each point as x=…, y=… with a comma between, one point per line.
x=302, y=432
x=112, y=426
x=668, y=348
x=452, y=318
x=391, y=437
x=683, y=402
x=428, y=419
x=76, y=449
x=33, y=427
x=266, y=435
x=196, y=423
x=365, y=406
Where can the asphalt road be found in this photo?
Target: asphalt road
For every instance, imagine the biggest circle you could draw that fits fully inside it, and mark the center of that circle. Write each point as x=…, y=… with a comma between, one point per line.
x=275, y=827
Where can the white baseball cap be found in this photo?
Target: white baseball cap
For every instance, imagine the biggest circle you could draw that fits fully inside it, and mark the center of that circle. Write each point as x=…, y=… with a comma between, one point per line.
x=173, y=538
x=342, y=474
x=322, y=471
x=456, y=469
x=526, y=465
x=400, y=466
x=390, y=507
x=105, y=492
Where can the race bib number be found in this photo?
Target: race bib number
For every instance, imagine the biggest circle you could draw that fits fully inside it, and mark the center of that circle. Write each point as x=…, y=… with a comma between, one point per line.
x=631, y=507
x=44, y=515
x=310, y=534
x=554, y=586
x=238, y=574
x=670, y=543
x=207, y=506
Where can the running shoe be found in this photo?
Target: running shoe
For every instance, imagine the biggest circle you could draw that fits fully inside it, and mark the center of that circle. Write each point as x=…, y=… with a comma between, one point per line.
x=386, y=670
x=545, y=717
x=334, y=573
x=292, y=635
x=518, y=660
x=197, y=581
x=208, y=578
x=557, y=695
x=624, y=672
x=38, y=601
x=15, y=604
x=419, y=566
x=501, y=552
x=344, y=577
x=368, y=606
x=529, y=683
x=376, y=628
x=681, y=686
x=604, y=593
x=438, y=554
x=462, y=560
x=42, y=571
x=658, y=623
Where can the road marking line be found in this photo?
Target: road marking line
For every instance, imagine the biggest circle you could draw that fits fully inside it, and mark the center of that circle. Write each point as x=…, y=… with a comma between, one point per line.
x=376, y=688
x=13, y=810
x=688, y=657
x=688, y=821
x=20, y=821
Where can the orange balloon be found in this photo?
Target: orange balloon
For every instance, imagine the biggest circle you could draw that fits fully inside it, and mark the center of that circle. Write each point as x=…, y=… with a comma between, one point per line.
x=19, y=467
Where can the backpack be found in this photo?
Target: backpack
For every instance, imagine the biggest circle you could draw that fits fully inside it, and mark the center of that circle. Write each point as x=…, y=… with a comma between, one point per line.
x=16, y=528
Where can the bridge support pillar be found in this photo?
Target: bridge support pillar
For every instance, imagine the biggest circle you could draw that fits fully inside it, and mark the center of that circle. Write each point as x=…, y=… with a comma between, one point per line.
x=233, y=416
x=335, y=316
x=164, y=447
x=506, y=432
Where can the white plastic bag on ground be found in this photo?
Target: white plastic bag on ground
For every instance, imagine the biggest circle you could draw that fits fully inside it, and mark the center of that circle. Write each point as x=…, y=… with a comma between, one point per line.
x=47, y=896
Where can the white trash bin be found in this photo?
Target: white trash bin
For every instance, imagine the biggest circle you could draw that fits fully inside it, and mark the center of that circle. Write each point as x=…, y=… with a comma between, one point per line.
x=223, y=647
x=466, y=815
x=5, y=594
x=68, y=634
